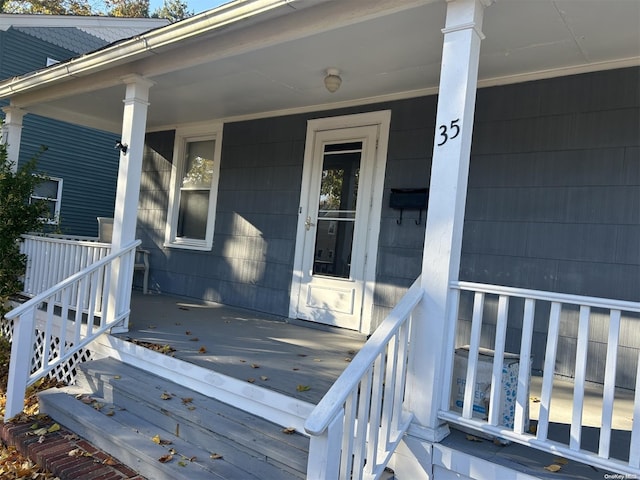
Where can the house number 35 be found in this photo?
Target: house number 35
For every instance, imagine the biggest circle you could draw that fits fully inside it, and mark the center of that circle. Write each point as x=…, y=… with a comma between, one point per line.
x=450, y=132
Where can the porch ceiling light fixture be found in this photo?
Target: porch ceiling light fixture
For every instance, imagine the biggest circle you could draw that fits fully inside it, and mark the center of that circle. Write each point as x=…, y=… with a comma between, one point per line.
x=333, y=80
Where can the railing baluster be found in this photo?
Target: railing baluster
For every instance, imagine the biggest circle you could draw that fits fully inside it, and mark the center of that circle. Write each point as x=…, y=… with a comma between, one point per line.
x=390, y=389
x=472, y=363
x=403, y=354
x=364, y=404
x=549, y=370
x=609, y=383
x=498, y=360
x=447, y=368
x=348, y=437
x=634, y=446
x=580, y=376
x=375, y=414
x=524, y=371
x=47, y=354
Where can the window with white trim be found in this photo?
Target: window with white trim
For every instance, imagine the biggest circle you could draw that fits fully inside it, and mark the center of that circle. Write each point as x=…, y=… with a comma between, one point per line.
x=194, y=189
x=50, y=190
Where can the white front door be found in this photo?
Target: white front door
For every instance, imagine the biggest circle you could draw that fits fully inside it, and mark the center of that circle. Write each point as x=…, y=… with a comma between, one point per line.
x=334, y=224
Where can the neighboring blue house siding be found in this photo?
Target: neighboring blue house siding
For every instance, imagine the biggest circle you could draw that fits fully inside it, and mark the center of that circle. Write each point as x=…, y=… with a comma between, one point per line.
x=87, y=162
x=84, y=158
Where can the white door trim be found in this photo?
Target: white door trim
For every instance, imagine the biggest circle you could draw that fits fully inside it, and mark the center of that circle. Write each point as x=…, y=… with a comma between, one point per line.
x=383, y=120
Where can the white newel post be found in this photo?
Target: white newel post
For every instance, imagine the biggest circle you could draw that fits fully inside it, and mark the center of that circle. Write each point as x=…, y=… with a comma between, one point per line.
x=134, y=121
x=447, y=196
x=12, y=133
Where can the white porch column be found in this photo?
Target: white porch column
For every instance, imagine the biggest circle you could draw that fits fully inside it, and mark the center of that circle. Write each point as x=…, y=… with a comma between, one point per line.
x=447, y=196
x=134, y=121
x=12, y=133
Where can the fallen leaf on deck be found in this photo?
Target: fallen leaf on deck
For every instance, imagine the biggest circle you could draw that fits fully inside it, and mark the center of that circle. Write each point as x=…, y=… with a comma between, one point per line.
x=71, y=436
x=116, y=377
x=243, y=361
x=172, y=451
x=165, y=458
x=110, y=461
x=255, y=365
x=553, y=468
x=264, y=378
x=86, y=400
x=347, y=359
x=188, y=332
x=215, y=456
x=289, y=430
x=53, y=428
x=251, y=380
x=202, y=350
x=533, y=429
x=182, y=463
x=110, y=413
x=473, y=438
x=187, y=400
x=351, y=352
x=303, y=388
x=534, y=399
x=165, y=396
x=40, y=431
x=160, y=441
x=317, y=360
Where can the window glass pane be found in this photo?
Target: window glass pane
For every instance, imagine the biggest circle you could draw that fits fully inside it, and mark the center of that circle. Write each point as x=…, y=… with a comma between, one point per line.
x=194, y=210
x=198, y=166
x=47, y=189
x=337, y=210
x=51, y=206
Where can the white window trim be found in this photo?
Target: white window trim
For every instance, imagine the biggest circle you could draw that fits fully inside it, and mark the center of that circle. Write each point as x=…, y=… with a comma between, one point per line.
x=183, y=136
x=58, y=201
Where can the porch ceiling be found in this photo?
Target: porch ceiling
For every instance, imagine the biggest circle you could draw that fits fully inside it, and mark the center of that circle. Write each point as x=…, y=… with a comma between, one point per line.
x=276, y=62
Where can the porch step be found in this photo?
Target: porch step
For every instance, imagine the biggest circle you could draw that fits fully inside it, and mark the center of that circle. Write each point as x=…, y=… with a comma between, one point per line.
x=125, y=407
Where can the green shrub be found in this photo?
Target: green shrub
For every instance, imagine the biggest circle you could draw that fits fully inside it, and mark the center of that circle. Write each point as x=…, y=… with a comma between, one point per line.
x=17, y=216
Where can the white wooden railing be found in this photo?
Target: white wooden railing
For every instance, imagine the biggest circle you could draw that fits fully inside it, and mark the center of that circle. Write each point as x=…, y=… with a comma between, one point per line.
x=52, y=258
x=585, y=313
x=53, y=326
x=359, y=422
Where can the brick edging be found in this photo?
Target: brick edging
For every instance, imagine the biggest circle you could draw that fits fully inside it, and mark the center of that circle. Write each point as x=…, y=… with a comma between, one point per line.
x=51, y=452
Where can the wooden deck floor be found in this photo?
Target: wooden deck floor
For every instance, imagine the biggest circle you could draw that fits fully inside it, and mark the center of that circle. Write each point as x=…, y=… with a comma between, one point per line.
x=294, y=360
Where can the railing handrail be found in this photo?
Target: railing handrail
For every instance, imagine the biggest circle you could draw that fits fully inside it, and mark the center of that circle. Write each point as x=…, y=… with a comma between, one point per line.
x=20, y=309
x=567, y=298
x=64, y=239
x=331, y=404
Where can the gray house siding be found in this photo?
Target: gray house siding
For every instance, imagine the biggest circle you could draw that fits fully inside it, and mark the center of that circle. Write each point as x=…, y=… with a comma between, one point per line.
x=553, y=203
x=84, y=158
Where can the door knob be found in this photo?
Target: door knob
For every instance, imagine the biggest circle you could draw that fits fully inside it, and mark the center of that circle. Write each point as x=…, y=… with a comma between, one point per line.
x=308, y=224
